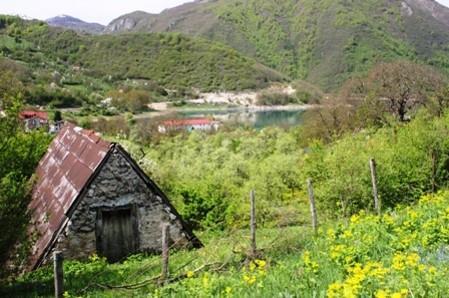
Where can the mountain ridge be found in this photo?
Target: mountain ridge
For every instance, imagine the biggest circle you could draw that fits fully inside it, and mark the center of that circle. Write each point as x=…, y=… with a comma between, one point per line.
x=324, y=42
x=72, y=23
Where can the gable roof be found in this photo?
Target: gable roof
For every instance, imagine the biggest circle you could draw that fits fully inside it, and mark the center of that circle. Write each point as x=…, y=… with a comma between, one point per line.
x=73, y=160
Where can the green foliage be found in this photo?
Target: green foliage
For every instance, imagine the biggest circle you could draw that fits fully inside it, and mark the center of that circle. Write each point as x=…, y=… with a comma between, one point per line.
x=268, y=98
x=411, y=161
x=20, y=153
x=325, y=42
x=209, y=177
x=402, y=253
x=172, y=60
x=130, y=101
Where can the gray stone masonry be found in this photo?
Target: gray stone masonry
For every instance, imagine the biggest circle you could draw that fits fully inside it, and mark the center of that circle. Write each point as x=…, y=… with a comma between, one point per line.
x=119, y=185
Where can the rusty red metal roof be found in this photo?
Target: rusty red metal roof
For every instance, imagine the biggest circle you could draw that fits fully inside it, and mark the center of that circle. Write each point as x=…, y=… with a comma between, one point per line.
x=73, y=157
x=33, y=114
x=187, y=122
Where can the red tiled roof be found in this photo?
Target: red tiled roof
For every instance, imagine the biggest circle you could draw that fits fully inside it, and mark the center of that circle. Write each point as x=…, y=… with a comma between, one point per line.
x=187, y=122
x=63, y=172
x=33, y=114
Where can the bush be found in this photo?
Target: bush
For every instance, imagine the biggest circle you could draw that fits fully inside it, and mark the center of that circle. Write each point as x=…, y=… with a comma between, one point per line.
x=412, y=160
x=270, y=98
x=20, y=154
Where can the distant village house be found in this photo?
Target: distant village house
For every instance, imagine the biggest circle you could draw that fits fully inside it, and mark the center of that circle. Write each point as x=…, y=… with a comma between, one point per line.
x=203, y=124
x=39, y=120
x=34, y=119
x=92, y=197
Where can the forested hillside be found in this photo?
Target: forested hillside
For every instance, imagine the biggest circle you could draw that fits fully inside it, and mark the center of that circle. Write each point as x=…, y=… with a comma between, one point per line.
x=168, y=60
x=323, y=41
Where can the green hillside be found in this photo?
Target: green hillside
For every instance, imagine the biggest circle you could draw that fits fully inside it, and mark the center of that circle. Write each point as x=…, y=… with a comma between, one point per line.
x=322, y=41
x=169, y=60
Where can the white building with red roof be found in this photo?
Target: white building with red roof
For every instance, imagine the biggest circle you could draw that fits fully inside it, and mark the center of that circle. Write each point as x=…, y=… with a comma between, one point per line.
x=34, y=119
x=191, y=124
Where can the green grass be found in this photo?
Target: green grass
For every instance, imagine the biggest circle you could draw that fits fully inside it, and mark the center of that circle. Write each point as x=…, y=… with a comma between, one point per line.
x=227, y=250
x=403, y=253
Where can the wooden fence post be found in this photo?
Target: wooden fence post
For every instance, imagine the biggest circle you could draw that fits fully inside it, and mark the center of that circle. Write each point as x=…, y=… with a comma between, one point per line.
x=312, y=205
x=58, y=260
x=165, y=251
x=252, y=196
x=372, y=164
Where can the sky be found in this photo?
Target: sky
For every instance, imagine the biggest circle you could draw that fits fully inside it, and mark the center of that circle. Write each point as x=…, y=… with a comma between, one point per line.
x=99, y=11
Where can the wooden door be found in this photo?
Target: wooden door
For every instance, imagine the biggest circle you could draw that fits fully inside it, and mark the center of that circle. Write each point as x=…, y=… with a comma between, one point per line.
x=116, y=237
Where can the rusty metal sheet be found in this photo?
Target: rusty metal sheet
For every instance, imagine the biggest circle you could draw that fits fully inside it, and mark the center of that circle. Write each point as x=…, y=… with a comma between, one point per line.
x=63, y=172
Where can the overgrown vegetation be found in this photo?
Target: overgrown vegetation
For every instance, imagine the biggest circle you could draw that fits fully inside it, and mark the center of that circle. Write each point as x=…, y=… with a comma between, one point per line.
x=402, y=253
x=20, y=153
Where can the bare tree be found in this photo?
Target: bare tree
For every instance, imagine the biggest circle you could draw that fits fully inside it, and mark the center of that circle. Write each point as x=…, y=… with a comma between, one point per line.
x=389, y=89
x=404, y=85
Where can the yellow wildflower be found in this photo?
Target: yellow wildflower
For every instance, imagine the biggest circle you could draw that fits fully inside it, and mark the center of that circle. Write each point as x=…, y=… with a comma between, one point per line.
x=333, y=291
x=260, y=263
x=412, y=259
x=398, y=262
x=355, y=218
x=330, y=234
x=381, y=294
x=249, y=279
x=190, y=274
x=388, y=219
x=252, y=266
x=309, y=264
x=347, y=234
x=337, y=251
x=413, y=214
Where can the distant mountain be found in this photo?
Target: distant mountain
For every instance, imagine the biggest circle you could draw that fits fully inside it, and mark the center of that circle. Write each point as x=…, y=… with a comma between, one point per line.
x=322, y=41
x=129, y=22
x=75, y=24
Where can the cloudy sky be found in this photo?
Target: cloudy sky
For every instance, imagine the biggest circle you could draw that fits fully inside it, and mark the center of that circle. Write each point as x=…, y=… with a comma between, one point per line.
x=100, y=11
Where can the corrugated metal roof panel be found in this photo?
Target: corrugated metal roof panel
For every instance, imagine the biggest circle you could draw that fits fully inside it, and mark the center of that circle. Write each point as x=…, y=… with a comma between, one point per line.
x=63, y=172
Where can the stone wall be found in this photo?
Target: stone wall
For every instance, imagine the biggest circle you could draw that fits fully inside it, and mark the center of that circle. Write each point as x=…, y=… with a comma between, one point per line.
x=119, y=185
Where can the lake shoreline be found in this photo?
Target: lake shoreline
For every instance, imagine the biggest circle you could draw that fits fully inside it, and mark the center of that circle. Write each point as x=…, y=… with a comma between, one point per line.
x=251, y=108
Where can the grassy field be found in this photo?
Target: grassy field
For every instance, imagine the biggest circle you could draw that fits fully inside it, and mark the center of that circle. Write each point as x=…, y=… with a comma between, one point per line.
x=403, y=253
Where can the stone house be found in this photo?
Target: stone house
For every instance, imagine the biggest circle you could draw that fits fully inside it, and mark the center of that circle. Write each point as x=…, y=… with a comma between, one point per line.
x=92, y=197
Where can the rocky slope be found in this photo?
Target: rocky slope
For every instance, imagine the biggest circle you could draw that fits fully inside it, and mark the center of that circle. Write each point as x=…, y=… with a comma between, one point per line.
x=75, y=24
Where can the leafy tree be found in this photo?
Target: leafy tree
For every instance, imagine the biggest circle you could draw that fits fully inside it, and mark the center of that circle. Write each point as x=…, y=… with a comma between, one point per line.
x=20, y=153
x=57, y=116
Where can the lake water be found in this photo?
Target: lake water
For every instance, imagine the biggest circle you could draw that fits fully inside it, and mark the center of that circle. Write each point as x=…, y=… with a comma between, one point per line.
x=254, y=118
